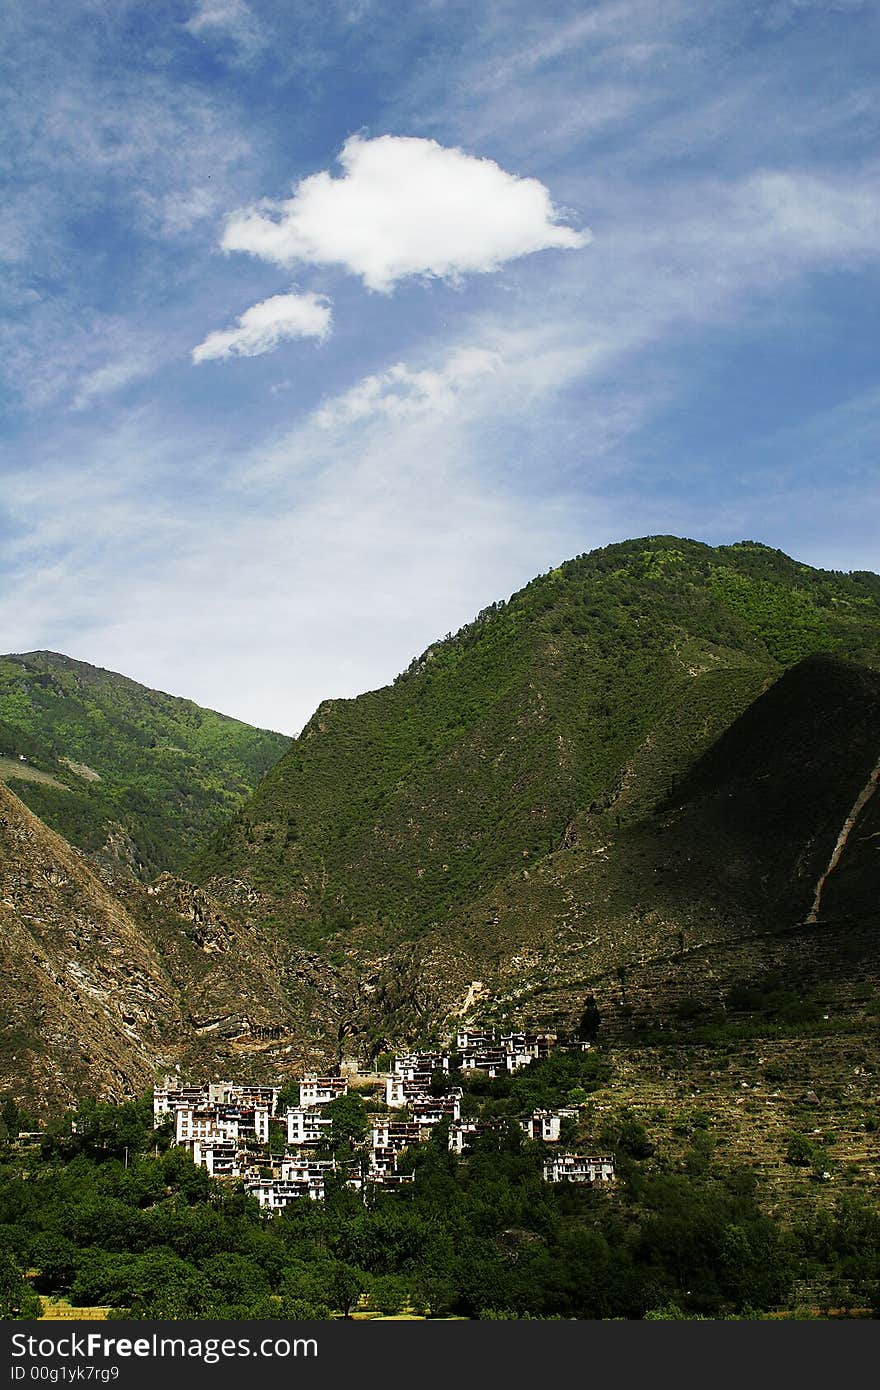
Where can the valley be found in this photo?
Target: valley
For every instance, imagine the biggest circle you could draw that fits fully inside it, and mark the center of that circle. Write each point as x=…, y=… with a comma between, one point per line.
x=636, y=802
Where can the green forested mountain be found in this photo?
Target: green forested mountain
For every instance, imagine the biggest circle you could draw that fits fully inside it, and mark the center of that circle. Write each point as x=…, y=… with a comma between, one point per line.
x=589, y=694
x=94, y=753
x=638, y=802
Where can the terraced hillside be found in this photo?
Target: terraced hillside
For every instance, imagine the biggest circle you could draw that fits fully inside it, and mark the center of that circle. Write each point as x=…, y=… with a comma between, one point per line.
x=717, y=888
x=113, y=765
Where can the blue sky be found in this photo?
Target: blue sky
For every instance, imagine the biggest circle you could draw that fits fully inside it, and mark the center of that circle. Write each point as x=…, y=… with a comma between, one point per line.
x=327, y=322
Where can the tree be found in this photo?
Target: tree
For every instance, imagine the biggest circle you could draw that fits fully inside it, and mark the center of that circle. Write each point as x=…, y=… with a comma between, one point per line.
x=800, y=1151
x=389, y=1293
x=57, y=1260
x=336, y=1284
x=235, y=1281
x=288, y=1095
x=626, y=1135
x=103, y=1131
x=590, y=1019
x=11, y=1118
x=349, y=1122
x=17, y=1298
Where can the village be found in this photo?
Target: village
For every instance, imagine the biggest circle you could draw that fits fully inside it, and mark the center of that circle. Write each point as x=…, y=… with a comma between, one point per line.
x=227, y=1126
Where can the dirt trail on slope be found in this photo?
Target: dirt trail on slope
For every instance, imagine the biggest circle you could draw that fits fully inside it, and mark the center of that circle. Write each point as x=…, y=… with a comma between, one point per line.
x=858, y=806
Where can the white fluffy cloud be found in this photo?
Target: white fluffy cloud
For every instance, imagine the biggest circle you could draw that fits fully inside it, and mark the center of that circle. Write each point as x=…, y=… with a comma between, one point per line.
x=262, y=327
x=405, y=206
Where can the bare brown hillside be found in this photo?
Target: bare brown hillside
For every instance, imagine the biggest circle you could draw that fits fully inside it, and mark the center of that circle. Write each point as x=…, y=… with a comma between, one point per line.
x=106, y=982
x=86, y=1003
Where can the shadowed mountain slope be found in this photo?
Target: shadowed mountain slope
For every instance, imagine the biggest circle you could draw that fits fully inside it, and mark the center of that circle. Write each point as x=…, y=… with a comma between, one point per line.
x=593, y=688
x=718, y=885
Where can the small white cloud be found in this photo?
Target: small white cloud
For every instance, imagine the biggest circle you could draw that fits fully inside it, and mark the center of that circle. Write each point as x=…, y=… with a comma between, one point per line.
x=405, y=206
x=233, y=18
x=399, y=392
x=262, y=327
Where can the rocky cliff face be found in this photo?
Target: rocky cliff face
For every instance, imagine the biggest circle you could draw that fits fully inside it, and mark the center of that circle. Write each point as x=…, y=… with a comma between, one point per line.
x=108, y=982
x=87, y=1004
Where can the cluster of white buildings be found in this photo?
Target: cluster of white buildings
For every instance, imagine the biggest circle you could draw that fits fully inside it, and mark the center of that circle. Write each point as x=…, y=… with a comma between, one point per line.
x=216, y=1121
x=309, y=1128
x=497, y=1054
x=225, y=1125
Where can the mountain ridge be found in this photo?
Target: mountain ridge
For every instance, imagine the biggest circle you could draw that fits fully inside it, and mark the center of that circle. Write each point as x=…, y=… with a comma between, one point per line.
x=119, y=768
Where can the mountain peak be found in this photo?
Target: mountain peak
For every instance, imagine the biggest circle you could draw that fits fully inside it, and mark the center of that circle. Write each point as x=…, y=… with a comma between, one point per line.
x=616, y=668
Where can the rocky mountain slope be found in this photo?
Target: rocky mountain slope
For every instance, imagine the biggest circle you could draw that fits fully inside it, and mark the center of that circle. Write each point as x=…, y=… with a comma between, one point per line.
x=107, y=981
x=135, y=774
x=85, y=997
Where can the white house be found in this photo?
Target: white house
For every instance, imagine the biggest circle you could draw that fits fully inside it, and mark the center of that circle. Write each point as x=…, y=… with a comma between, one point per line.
x=432, y=1111
x=274, y=1195
x=243, y=1093
x=402, y=1090
x=410, y=1063
x=299, y=1178
x=466, y=1039
x=318, y=1090
x=297, y=1169
x=460, y=1134
x=307, y=1127
x=223, y=1158
x=393, y=1134
x=172, y=1093
x=383, y=1161
x=259, y=1118
x=578, y=1168
x=546, y=1125
x=491, y=1060
x=519, y=1050
x=206, y=1125
x=215, y=1122
x=389, y=1179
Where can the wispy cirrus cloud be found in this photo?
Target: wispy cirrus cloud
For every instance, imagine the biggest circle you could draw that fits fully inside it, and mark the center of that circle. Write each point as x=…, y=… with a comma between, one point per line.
x=98, y=216
x=228, y=19
x=405, y=206
x=111, y=377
